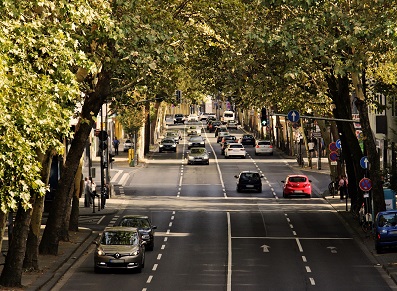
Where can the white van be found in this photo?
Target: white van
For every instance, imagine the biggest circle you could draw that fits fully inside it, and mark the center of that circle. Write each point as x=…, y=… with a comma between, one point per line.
x=227, y=115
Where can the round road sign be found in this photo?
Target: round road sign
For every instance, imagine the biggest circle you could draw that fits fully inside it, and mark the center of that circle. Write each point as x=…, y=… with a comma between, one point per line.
x=332, y=147
x=365, y=184
x=333, y=156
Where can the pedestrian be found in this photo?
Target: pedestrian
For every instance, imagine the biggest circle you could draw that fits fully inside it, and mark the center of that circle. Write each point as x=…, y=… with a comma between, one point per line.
x=104, y=195
x=93, y=188
x=343, y=183
x=87, y=192
x=116, y=143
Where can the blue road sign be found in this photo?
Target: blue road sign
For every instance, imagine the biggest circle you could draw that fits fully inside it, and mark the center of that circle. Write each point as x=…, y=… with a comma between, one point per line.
x=293, y=116
x=338, y=144
x=365, y=184
x=364, y=162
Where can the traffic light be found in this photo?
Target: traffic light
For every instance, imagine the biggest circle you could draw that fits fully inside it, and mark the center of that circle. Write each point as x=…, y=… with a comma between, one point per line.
x=178, y=95
x=263, y=117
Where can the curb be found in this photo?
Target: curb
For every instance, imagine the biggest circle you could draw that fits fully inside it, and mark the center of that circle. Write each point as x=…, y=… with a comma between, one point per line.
x=49, y=279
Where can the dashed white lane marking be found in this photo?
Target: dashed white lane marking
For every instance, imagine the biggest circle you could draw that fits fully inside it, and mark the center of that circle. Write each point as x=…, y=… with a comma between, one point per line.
x=149, y=279
x=165, y=239
x=155, y=267
x=170, y=224
x=312, y=281
x=304, y=259
x=162, y=247
x=159, y=256
x=308, y=269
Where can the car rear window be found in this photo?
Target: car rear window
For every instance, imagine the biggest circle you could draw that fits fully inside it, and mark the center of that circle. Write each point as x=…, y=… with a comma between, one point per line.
x=249, y=176
x=236, y=146
x=297, y=179
x=264, y=143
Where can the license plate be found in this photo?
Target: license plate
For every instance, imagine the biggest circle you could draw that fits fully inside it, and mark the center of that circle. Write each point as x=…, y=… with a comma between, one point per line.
x=250, y=186
x=393, y=232
x=198, y=159
x=298, y=191
x=116, y=261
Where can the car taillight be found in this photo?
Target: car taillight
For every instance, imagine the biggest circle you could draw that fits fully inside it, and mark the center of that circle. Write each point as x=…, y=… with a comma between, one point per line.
x=257, y=146
x=271, y=146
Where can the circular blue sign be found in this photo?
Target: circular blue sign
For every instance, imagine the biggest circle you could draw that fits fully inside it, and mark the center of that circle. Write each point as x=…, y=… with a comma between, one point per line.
x=293, y=116
x=338, y=144
x=364, y=162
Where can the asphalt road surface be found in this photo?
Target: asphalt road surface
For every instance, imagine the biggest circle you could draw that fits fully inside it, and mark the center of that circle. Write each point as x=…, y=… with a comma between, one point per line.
x=209, y=237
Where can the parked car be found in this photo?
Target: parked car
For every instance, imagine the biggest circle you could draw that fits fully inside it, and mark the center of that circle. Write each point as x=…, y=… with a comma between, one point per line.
x=179, y=118
x=144, y=225
x=119, y=248
x=221, y=135
x=297, y=185
x=247, y=139
x=195, y=141
x=167, y=144
x=128, y=144
x=193, y=130
x=198, y=155
x=235, y=150
x=263, y=147
x=385, y=230
x=249, y=180
x=231, y=124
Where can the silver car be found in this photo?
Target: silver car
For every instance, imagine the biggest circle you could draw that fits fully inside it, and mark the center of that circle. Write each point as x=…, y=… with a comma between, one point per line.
x=198, y=156
x=119, y=248
x=263, y=147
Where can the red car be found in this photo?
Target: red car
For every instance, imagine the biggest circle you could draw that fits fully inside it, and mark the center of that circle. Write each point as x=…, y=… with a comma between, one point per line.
x=297, y=185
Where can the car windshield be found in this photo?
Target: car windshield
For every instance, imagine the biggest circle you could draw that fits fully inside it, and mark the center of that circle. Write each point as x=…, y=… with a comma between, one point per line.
x=236, y=146
x=119, y=238
x=388, y=220
x=170, y=134
x=135, y=222
x=167, y=141
x=197, y=151
x=248, y=136
x=249, y=177
x=297, y=179
x=196, y=138
x=127, y=141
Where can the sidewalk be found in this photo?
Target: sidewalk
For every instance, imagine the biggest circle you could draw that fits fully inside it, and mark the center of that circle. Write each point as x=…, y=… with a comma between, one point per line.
x=54, y=267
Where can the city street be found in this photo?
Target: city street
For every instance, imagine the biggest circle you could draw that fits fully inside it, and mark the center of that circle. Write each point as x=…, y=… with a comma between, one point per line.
x=210, y=237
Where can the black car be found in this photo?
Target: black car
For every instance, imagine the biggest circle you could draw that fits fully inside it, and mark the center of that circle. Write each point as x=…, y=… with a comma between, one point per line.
x=144, y=226
x=212, y=126
x=247, y=139
x=179, y=118
x=167, y=144
x=249, y=180
x=196, y=141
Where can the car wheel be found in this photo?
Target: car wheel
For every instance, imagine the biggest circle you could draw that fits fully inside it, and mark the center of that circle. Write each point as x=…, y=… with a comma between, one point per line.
x=378, y=249
x=208, y=163
x=238, y=189
x=160, y=151
x=150, y=248
x=226, y=157
x=243, y=157
x=260, y=190
x=98, y=270
x=284, y=196
x=256, y=154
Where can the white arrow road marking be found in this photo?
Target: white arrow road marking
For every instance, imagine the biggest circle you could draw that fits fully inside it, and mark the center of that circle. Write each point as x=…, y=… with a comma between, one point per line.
x=265, y=248
x=333, y=250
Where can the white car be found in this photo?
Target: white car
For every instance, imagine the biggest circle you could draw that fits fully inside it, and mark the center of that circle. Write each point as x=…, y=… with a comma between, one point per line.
x=263, y=147
x=231, y=124
x=192, y=118
x=235, y=150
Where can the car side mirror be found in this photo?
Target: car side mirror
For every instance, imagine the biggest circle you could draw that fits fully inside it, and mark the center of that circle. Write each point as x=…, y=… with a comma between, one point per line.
x=235, y=176
x=95, y=242
x=310, y=181
x=282, y=181
x=154, y=227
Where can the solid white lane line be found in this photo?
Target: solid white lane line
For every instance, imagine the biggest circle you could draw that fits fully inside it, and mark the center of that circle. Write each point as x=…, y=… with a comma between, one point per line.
x=229, y=254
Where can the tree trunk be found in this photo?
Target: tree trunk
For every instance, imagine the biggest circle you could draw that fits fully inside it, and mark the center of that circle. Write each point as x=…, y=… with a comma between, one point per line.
x=11, y=275
x=78, y=189
x=31, y=260
x=371, y=151
x=3, y=219
x=351, y=151
x=51, y=236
